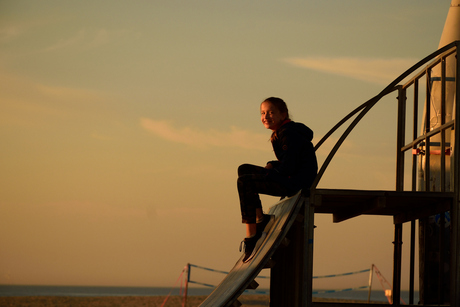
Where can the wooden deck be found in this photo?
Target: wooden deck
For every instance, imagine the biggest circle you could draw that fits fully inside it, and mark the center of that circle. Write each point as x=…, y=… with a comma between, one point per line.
x=403, y=206
x=294, y=272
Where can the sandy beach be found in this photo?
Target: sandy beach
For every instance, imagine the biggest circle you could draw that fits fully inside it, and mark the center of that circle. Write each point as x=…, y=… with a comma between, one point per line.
x=126, y=301
x=120, y=301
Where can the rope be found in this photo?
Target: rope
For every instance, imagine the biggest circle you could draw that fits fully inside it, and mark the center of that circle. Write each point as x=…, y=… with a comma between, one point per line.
x=207, y=269
x=213, y=286
x=383, y=281
x=324, y=276
x=187, y=268
x=267, y=292
x=200, y=283
x=343, y=274
x=223, y=272
x=169, y=294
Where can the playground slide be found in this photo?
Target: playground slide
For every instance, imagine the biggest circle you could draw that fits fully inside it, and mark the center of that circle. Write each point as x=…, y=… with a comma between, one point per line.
x=242, y=276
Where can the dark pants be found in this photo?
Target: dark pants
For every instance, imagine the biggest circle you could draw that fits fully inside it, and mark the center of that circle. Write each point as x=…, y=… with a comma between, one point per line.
x=252, y=181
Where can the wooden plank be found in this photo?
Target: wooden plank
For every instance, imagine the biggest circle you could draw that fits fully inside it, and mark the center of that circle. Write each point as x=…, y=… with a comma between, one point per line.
x=411, y=214
x=242, y=274
x=372, y=205
x=403, y=205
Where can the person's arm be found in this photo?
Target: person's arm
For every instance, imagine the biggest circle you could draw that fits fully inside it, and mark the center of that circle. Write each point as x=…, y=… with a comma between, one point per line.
x=289, y=157
x=272, y=164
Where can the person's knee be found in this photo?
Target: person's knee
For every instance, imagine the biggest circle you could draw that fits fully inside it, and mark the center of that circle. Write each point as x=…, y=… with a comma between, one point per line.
x=243, y=169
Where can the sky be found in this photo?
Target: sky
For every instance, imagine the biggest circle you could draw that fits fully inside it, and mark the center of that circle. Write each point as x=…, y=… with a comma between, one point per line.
x=122, y=125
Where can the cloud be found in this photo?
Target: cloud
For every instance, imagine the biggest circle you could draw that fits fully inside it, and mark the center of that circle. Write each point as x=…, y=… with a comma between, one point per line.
x=77, y=39
x=9, y=32
x=69, y=94
x=88, y=39
x=27, y=103
x=373, y=70
x=236, y=137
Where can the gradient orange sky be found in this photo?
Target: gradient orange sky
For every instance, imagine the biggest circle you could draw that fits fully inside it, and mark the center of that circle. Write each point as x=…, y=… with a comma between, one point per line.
x=123, y=124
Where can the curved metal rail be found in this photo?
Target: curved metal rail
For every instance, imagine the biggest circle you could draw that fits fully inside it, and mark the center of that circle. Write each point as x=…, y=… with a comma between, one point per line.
x=365, y=107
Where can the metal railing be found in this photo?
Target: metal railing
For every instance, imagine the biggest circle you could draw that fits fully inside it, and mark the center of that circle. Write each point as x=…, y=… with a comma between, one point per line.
x=420, y=147
x=363, y=109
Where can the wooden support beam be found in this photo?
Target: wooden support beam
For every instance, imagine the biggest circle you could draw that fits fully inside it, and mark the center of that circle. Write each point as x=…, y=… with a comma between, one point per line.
x=287, y=277
x=270, y=264
x=253, y=285
x=412, y=215
x=371, y=205
x=236, y=303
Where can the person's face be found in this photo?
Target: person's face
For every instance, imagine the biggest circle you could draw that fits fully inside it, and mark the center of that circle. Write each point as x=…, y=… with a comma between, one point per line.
x=271, y=117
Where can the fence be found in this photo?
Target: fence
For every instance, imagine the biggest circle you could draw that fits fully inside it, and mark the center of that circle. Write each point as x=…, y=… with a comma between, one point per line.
x=185, y=279
x=189, y=280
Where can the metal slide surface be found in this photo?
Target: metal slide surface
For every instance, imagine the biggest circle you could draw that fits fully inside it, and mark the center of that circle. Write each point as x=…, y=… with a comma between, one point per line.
x=242, y=274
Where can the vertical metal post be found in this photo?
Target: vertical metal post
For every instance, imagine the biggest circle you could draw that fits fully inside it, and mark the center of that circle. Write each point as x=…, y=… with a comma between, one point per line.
x=443, y=121
x=186, y=284
x=425, y=294
x=455, y=218
x=415, y=134
x=401, y=132
x=371, y=275
x=443, y=185
x=427, y=130
x=396, y=293
x=400, y=138
x=309, y=213
x=412, y=263
x=413, y=188
x=441, y=259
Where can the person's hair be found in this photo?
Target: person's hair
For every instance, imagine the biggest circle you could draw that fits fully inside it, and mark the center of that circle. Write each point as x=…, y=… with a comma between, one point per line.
x=279, y=104
x=282, y=107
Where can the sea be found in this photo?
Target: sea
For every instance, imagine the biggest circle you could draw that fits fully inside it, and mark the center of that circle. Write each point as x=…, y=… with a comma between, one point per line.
x=94, y=291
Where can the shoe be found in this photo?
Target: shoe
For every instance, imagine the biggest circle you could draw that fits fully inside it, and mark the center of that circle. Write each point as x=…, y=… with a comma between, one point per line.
x=249, y=245
x=252, y=244
x=258, y=245
x=266, y=223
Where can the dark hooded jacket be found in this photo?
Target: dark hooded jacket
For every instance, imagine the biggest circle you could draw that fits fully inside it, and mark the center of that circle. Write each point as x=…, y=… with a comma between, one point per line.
x=296, y=167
